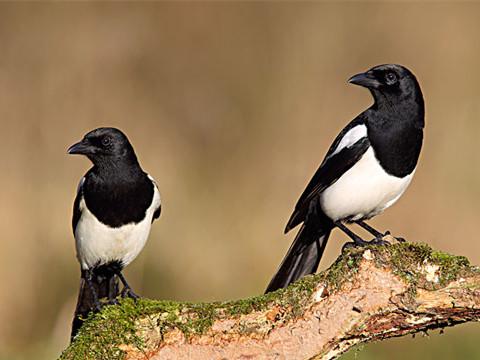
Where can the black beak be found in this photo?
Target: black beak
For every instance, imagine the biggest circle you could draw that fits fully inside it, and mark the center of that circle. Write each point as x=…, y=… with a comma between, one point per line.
x=81, y=148
x=367, y=80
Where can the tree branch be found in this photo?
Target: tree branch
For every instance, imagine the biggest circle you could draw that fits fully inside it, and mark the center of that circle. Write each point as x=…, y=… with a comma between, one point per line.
x=367, y=294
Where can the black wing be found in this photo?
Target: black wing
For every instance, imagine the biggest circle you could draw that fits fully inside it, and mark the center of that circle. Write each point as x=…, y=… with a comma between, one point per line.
x=76, y=205
x=331, y=169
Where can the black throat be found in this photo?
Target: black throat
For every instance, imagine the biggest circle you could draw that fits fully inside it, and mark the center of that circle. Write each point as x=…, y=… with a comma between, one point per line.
x=118, y=192
x=395, y=131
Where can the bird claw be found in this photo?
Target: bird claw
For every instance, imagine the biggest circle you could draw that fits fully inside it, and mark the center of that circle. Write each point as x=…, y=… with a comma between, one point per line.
x=362, y=243
x=399, y=239
x=348, y=245
x=379, y=241
x=98, y=306
x=358, y=243
x=113, y=302
x=127, y=292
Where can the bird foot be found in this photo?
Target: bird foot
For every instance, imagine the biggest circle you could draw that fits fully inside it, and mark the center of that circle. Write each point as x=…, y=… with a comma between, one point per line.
x=113, y=301
x=127, y=292
x=363, y=243
x=389, y=235
x=379, y=241
x=355, y=244
x=348, y=245
x=98, y=306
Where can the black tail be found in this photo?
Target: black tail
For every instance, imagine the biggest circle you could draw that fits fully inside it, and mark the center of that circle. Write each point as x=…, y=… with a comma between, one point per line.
x=105, y=285
x=303, y=256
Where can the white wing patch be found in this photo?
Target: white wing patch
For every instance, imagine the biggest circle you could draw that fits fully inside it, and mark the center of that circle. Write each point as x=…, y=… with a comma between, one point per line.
x=80, y=184
x=350, y=138
x=156, y=199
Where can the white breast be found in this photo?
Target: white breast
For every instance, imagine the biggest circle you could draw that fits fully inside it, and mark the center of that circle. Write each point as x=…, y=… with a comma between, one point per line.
x=98, y=243
x=363, y=191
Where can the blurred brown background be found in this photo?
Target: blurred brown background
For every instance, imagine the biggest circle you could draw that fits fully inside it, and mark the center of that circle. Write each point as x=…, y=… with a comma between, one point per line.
x=231, y=107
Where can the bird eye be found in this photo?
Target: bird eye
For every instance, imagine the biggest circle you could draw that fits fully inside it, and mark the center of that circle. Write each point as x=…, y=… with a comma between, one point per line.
x=391, y=78
x=106, y=141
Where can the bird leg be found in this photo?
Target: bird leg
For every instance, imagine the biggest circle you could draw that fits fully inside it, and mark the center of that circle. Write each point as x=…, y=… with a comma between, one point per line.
x=378, y=235
x=88, y=278
x=127, y=290
x=371, y=230
x=112, y=290
x=357, y=240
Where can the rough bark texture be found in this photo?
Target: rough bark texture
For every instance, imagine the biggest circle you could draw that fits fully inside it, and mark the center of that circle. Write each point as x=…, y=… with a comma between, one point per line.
x=366, y=295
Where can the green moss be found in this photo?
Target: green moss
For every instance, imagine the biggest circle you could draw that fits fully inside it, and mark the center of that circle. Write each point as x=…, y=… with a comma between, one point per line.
x=450, y=266
x=102, y=333
x=408, y=261
x=342, y=269
x=405, y=259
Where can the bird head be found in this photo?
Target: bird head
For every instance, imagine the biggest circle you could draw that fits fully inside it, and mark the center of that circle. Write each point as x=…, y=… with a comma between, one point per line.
x=389, y=81
x=104, y=145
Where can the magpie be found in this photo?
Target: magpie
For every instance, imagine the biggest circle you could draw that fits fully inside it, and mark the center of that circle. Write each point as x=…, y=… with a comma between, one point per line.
x=115, y=206
x=366, y=170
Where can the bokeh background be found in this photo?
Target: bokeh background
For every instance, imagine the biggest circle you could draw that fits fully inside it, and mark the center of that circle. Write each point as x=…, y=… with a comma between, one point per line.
x=231, y=107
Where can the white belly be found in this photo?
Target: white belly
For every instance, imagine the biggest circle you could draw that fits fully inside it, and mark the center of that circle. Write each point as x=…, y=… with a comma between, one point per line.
x=98, y=243
x=363, y=191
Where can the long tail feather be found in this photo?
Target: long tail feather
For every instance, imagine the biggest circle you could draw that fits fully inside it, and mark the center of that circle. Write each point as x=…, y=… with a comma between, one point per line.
x=104, y=284
x=303, y=256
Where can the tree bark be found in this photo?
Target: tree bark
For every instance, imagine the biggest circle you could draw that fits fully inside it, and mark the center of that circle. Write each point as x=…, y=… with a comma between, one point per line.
x=368, y=294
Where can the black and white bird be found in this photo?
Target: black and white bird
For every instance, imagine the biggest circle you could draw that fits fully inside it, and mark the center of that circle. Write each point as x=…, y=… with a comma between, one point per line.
x=366, y=170
x=115, y=206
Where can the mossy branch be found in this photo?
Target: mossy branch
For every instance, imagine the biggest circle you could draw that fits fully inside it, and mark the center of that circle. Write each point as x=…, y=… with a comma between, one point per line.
x=366, y=295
